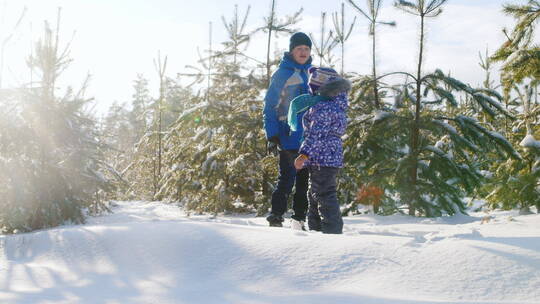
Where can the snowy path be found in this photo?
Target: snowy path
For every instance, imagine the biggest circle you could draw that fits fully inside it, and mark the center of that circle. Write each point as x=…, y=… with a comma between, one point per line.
x=153, y=253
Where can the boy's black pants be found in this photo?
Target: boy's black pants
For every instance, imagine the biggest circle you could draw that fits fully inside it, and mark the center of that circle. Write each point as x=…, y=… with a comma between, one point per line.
x=287, y=178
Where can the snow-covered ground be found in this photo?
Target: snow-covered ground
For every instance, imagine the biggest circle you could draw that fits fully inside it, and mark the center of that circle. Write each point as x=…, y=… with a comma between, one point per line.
x=148, y=252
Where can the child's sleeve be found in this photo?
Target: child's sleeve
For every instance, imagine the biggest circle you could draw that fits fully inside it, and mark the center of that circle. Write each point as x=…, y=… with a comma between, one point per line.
x=294, y=109
x=316, y=129
x=270, y=102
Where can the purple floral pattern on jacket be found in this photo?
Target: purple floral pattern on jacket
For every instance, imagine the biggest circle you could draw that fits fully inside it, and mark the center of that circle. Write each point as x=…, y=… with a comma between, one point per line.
x=324, y=125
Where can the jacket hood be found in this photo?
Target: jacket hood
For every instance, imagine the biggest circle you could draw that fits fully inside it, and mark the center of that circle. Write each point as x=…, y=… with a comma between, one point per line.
x=335, y=87
x=288, y=62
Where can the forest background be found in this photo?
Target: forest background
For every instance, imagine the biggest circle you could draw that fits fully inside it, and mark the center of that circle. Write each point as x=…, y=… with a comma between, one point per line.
x=441, y=124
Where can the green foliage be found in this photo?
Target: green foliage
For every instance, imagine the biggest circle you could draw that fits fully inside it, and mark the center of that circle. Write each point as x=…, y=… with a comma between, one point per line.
x=519, y=54
x=50, y=164
x=515, y=183
x=421, y=150
x=379, y=152
x=213, y=155
x=214, y=151
x=138, y=156
x=427, y=142
x=427, y=8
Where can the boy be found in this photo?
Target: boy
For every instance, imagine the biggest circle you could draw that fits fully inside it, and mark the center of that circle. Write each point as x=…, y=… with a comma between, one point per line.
x=289, y=81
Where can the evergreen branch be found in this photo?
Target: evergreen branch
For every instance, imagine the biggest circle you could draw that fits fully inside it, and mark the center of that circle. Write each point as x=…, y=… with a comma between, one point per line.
x=450, y=130
x=452, y=82
x=280, y=26
x=490, y=92
x=432, y=102
x=394, y=73
x=245, y=19
x=408, y=7
x=484, y=99
x=360, y=10
x=390, y=23
x=444, y=94
x=497, y=138
x=433, y=9
x=435, y=13
x=377, y=7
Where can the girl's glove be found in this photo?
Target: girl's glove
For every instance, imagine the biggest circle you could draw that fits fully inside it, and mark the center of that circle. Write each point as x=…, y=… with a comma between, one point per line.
x=299, y=161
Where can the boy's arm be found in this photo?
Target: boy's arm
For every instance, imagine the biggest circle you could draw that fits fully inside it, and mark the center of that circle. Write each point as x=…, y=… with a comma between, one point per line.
x=271, y=100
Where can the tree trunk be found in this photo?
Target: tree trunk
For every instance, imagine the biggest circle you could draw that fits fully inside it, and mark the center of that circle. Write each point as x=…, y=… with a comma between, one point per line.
x=343, y=39
x=209, y=63
x=374, y=71
x=270, y=26
x=157, y=167
x=416, y=125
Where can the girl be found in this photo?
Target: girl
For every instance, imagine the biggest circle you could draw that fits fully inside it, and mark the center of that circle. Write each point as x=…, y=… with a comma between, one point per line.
x=321, y=152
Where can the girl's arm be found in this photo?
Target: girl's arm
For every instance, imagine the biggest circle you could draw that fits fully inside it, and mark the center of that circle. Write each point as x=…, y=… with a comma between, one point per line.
x=316, y=129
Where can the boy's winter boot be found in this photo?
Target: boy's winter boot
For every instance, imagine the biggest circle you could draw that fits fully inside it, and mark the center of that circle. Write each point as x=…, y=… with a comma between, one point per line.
x=297, y=225
x=275, y=220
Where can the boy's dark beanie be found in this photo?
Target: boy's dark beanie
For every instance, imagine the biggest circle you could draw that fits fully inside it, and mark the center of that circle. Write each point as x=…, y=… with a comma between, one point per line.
x=299, y=39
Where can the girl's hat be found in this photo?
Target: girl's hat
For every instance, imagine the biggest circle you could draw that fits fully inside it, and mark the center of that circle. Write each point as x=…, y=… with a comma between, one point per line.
x=320, y=76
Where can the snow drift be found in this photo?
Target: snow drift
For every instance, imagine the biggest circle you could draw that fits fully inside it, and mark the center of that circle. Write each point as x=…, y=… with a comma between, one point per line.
x=148, y=252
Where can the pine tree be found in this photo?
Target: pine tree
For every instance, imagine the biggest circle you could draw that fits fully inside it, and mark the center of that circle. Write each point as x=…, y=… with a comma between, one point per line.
x=140, y=107
x=520, y=57
x=418, y=151
x=515, y=183
x=372, y=15
x=117, y=135
x=144, y=170
x=52, y=164
x=342, y=34
x=323, y=47
x=215, y=146
x=161, y=67
x=273, y=25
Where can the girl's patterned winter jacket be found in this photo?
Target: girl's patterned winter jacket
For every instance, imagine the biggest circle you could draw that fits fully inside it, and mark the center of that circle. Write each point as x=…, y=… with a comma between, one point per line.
x=324, y=125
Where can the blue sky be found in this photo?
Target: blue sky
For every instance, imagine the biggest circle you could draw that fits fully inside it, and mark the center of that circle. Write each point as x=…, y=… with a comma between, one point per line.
x=116, y=39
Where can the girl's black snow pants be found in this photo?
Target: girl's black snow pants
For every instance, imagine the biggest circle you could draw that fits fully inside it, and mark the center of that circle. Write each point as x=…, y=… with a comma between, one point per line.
x=324, y=213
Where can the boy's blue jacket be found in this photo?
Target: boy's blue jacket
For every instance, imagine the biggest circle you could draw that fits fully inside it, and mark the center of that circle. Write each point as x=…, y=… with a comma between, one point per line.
x=289, y=81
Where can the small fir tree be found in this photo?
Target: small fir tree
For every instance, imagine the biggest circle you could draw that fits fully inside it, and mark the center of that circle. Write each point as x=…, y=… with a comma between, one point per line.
x=342, y=33
x=420, y=153
x=323, y=47
x=274, y=25
x=372, y=15
x=520, y=79
x=213, y=149
x=52, y=164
